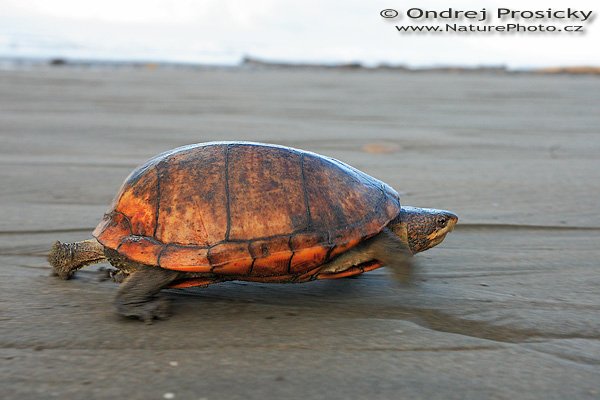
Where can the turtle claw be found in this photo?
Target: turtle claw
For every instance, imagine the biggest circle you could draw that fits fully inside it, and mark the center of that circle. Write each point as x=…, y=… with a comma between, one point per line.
x=105, y=274
x=403, y=269
x=157, y=308
x=404, y=274
x=62, y=274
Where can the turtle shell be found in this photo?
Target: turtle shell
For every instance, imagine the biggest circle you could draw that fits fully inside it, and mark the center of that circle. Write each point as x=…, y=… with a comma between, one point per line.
x=244, y=209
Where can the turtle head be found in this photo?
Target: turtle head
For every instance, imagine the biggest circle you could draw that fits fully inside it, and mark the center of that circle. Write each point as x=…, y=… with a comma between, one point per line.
x=422, y=228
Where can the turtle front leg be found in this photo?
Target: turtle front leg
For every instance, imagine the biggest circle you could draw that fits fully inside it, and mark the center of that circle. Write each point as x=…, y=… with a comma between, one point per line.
x=385, y=248
x=66, y=258
x=138, y=294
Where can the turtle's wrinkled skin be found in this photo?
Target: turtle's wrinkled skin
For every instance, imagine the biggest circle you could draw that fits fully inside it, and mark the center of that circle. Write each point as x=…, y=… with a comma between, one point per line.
x=221, y=211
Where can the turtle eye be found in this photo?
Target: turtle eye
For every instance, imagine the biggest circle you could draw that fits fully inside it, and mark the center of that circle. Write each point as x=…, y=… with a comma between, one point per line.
x=441, y=220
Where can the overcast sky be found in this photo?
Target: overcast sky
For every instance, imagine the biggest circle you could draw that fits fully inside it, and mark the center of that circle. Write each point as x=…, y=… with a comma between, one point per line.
x=222, y=31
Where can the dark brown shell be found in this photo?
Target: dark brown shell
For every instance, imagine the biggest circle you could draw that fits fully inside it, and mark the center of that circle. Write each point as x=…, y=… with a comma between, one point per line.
x=244, y=209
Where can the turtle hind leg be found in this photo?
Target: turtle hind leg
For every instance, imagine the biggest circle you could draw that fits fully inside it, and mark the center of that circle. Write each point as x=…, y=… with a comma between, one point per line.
x=138, y=294
x=66, y=258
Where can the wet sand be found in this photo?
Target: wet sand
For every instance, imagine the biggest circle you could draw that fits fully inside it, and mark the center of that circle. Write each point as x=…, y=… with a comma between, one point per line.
x=507, y=307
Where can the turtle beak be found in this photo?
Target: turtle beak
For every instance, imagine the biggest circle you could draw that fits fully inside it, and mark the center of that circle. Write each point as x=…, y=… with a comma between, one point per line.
x=452, y=220
x=437, y=236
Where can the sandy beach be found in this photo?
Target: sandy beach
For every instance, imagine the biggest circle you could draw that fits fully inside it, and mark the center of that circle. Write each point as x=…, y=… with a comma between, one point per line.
x=506, y=308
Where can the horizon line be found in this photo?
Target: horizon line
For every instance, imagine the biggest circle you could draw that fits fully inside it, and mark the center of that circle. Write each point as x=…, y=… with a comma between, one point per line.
x=251, y=61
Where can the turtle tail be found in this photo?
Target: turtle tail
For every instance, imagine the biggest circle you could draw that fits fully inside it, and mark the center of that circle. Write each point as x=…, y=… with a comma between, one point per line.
x=66, y=258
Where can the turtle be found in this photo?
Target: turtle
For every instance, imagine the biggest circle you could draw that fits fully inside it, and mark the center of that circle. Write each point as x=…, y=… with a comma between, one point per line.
x=221, y=211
